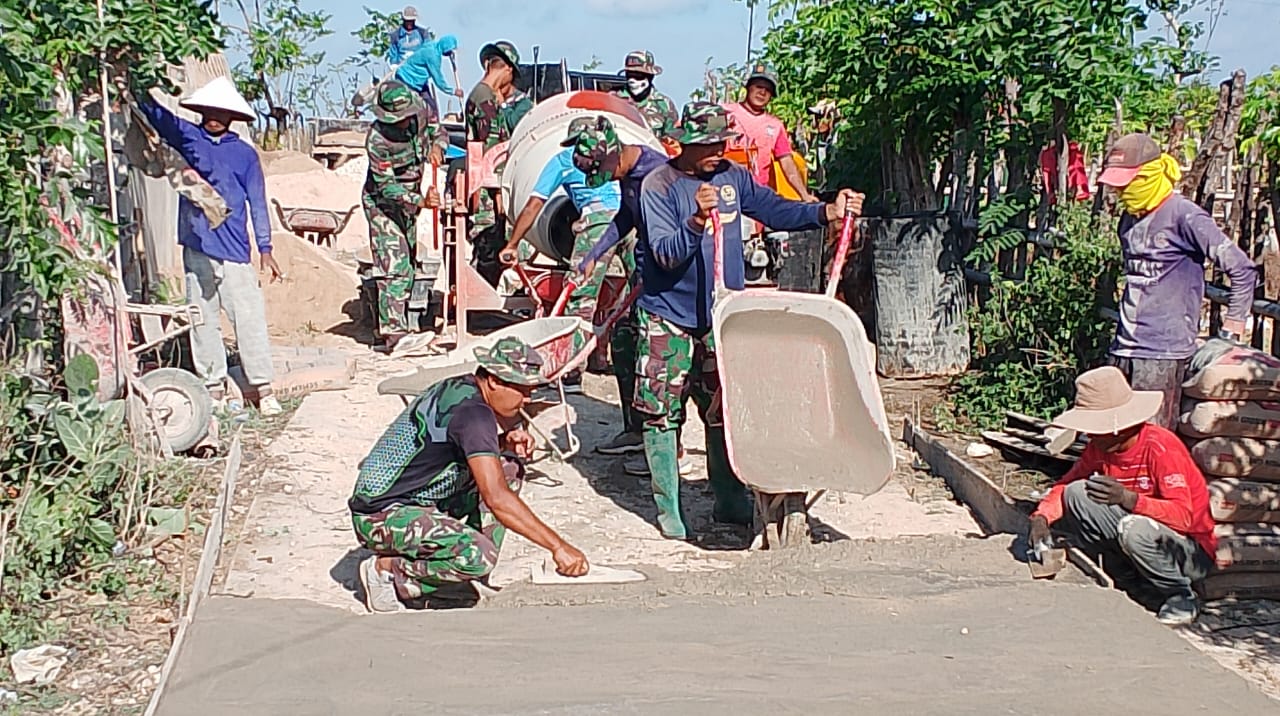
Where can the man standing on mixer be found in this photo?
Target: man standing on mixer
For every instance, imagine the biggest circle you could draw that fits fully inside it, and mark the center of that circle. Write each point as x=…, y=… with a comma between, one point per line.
x=676, y=348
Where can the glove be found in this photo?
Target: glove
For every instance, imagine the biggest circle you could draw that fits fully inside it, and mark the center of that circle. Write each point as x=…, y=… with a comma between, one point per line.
x=1107, y=491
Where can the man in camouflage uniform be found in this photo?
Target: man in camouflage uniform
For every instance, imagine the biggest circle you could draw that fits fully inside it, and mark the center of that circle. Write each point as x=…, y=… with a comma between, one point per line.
x=437, y=492
x=493, y=109
x=402, y=143
x=658, y=109
x=677, y=346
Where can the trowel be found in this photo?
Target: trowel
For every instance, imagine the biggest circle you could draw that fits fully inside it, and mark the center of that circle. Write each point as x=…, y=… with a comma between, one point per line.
x=546, y=573
x=1045, y=561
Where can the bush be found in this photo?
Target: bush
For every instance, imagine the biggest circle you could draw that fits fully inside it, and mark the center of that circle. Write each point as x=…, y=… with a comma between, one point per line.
x=1031, y=338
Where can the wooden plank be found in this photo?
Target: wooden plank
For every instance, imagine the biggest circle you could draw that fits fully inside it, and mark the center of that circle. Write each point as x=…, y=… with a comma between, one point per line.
x=212, y=550
x=995, y=512
x=1009, y=442
x=1045, y=441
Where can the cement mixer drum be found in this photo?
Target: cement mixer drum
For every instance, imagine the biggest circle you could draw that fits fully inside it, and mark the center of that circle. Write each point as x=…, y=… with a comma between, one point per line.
x=537, y=139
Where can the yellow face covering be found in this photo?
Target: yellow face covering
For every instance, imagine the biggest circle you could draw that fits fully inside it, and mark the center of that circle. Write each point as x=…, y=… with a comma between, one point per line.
x=1152, y=185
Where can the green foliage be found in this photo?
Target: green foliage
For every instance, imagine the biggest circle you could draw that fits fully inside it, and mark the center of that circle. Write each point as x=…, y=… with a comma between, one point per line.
x=1031, y=338
x=721, y=84
x=1258, y=118
x=997, y=232
x=276, y=39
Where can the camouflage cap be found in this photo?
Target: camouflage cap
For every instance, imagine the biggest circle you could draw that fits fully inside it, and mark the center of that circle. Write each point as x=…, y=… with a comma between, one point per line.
x=512, y=361
x=641, y=61
x=396, y=102
x=503, y=49
x=596, y=151
x=704, y=123
x=763, y=72
x=577, y=127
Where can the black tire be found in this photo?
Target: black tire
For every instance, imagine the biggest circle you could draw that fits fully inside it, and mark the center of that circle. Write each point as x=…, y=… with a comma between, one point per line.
x=182, y=406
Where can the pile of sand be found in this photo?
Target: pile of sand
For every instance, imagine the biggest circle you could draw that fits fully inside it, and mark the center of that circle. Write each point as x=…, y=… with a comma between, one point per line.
x=311, y=297
x=285, y=161
x=319, y=188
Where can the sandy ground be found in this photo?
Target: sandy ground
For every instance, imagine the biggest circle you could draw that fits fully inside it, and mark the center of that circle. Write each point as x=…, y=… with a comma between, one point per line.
x=298, y=545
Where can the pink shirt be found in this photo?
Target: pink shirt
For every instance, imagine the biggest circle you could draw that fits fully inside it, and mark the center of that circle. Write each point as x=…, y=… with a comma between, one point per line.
x=766, y=132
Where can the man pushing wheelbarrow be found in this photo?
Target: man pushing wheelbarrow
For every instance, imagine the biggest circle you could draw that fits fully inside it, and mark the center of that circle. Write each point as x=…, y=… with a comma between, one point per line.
x=677, y=352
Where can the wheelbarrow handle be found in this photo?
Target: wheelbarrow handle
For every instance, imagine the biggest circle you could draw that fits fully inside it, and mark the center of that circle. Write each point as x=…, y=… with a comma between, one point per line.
x=848, y=229
x=717, y=262
x=570, y=285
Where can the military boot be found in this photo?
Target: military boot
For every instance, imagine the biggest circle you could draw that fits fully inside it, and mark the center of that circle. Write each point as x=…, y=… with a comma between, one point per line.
x=664, y=470
x=732, y=501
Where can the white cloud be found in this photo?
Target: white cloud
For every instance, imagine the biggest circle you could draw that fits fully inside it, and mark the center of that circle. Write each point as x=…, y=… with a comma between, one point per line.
x=644, y=8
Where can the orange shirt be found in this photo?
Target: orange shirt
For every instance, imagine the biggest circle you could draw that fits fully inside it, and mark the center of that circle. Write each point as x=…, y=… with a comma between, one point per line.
x=766, y=132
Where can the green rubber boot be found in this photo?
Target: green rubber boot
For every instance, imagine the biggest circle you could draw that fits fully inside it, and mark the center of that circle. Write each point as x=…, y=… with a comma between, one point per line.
x=733, y=501
x=664, y=471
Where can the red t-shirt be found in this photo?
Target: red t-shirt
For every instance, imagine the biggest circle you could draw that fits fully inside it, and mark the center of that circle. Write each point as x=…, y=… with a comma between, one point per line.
x=764, y=131
x=1171, y=489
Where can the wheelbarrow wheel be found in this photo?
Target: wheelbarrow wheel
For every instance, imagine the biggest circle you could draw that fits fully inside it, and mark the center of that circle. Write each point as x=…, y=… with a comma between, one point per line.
x=793, y=521
x=181, y=405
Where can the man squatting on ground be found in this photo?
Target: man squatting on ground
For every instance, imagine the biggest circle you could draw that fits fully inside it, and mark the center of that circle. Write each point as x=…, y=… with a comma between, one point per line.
x=437, y=493
x=219, y=275
x=1135, y=495
x=403, y=144
x=1166, y=238
x=676, y=348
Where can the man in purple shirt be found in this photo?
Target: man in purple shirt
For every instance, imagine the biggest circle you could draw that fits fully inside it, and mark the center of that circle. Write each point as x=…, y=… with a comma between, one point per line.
x=219, y=275
x=675, y=251
x=1166, y=239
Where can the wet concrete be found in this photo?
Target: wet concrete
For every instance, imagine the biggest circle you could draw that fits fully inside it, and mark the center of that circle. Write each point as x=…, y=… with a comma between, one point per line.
x=913, y=626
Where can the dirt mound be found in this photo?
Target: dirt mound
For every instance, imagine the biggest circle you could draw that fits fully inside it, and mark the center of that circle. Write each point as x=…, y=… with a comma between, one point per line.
x=319, y=188
x=310, y=298
x=285, y=161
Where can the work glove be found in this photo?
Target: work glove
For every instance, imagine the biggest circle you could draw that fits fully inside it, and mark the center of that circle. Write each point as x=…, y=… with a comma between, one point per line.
x=1108, y=491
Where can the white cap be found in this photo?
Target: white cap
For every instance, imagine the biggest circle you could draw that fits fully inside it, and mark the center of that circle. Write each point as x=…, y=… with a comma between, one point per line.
x=409, y=13
x=220, y=93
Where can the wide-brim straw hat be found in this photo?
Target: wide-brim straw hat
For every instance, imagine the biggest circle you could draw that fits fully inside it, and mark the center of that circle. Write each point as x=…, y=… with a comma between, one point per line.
x=1105, y=404
x=219, y=94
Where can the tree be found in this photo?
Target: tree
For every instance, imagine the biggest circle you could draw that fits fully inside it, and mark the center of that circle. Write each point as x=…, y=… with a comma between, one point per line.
x=594, y=64
x=276, y=37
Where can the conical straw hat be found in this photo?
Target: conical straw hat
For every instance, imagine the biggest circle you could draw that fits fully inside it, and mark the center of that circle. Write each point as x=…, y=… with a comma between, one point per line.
x=220, y=93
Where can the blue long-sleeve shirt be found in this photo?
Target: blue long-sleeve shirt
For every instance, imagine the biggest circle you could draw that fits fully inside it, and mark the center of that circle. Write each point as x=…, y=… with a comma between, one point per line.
x=426, y=64
x=678, y=261
x=232, y=167
x=402, y=42
x=628, y=216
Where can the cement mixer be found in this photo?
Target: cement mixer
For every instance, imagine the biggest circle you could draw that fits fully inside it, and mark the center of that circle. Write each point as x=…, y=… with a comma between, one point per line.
x=537, y=139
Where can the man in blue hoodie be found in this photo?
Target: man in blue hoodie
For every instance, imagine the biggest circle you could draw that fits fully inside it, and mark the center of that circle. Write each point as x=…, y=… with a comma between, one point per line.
x=426, y=67
x=675, y=252
x=219, y=276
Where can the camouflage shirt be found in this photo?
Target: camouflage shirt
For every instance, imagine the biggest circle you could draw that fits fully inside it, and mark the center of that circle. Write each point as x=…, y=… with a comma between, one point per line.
x=421, y=459
x=659, y=112
x=398, y=157
x=491, y=121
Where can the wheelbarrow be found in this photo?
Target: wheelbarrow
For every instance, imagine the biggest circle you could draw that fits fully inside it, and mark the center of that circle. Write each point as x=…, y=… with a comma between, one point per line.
x=318, y=226
x=801, y=404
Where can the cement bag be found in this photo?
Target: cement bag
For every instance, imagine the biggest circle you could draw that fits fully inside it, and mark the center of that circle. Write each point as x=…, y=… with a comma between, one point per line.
x=1248, y=547
x=1241, y=585
x=1232, y=500
x=1247, y=419
x=1257, y=460
x=1241, y=373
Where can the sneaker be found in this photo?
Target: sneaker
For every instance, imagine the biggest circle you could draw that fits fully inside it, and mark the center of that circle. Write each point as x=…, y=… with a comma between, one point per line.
x=379, y=589
x=638, y=466
x=622, y=444
x=1179, y=609
x=269, y=407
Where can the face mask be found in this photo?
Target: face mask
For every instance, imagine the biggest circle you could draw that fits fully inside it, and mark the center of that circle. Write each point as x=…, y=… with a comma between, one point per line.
x=637, y=87
x=1153, y=184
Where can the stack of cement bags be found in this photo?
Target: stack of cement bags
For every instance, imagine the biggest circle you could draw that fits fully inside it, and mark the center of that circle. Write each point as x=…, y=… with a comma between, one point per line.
x=1231, y=418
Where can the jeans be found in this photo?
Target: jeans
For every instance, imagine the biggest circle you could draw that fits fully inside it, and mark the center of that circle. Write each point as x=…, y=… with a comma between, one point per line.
x=1169, y=561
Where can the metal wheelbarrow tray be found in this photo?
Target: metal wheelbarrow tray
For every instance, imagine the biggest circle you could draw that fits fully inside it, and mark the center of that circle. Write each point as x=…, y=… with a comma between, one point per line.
x=802, y=406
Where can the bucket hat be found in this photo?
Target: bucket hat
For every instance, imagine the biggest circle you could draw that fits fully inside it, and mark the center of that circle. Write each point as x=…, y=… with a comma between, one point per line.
x=1105, y=404
x=511, y=360
x=596, y=150
x=219, y=94
x=704, y=123
x=409, y=13
x=1126, y=158
x=396, y=102
x=503, y=49
x=641, y=61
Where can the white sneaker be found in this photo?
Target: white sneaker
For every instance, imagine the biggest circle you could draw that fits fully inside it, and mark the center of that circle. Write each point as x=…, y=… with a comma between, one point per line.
x=269, y=407
x=379, y=589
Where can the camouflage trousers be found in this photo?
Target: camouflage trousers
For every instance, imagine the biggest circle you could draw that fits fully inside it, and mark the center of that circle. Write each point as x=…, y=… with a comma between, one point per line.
x=587, y=232
x=623, y=341
x=456, y=540
x=393, y=239
x=673, y=364
x=488, y=233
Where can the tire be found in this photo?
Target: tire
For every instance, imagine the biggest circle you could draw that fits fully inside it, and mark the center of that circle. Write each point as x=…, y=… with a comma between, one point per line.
x=182, y=406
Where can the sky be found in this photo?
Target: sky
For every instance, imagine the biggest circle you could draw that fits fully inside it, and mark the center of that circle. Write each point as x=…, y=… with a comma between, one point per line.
x=682, y=34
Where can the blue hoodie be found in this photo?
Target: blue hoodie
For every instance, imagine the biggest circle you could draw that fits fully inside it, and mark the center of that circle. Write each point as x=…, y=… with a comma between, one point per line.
x=426, y=65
